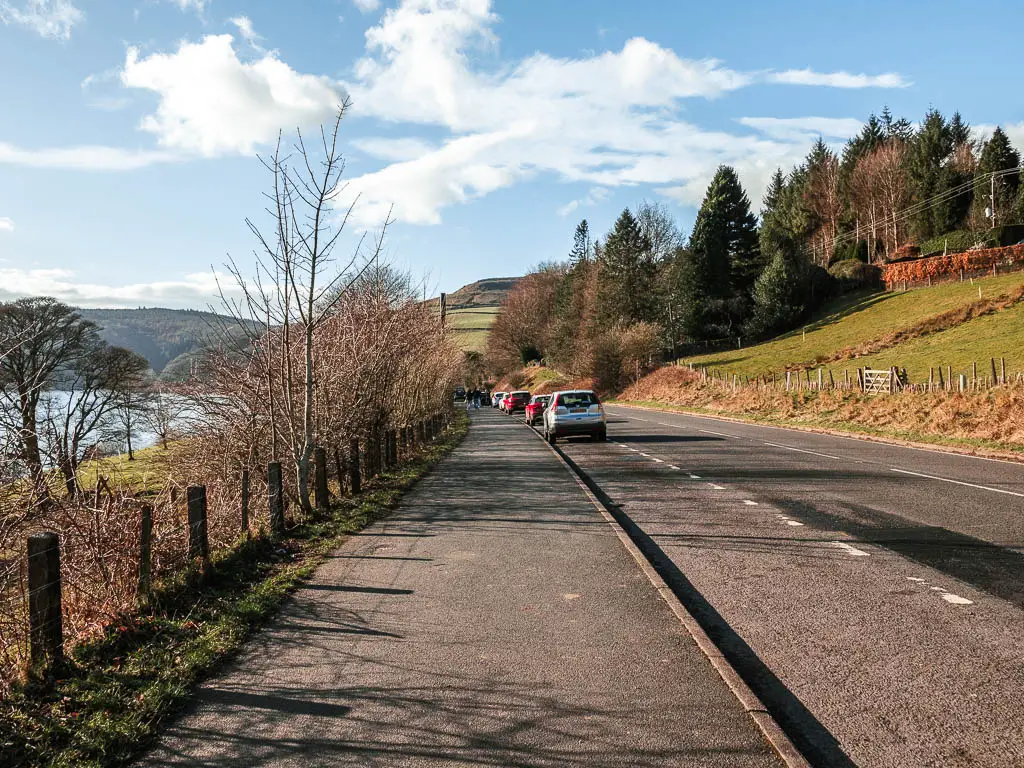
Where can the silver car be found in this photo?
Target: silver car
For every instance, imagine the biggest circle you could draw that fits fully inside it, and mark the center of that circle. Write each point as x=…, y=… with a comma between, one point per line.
x=574, y=412
x=496, y=399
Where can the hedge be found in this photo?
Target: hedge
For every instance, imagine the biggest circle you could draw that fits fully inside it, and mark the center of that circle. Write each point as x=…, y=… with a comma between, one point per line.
x=941, y=266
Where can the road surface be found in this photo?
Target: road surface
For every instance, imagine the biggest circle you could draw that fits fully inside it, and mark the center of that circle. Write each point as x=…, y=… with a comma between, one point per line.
x=871, y=593
x=495, y=619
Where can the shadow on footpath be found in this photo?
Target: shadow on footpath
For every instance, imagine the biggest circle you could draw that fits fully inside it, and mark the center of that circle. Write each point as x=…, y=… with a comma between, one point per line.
x=814, y=740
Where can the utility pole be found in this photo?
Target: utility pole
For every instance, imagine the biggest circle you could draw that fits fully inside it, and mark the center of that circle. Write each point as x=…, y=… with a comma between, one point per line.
x=992, y=197
x=443, y=307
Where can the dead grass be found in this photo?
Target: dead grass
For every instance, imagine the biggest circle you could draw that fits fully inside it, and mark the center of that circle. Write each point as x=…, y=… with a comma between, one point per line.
x=990, y=421
x=540, y=380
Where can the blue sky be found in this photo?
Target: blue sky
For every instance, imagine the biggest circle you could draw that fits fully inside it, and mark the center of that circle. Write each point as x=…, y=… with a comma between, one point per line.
x=128, y=130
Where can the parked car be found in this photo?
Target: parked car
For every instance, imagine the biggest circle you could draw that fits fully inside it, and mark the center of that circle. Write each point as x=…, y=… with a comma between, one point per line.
x=485, y=397
x=460, y=394
x=535, y=409
x=516, y=402
x=574, y=412
x=496, y=399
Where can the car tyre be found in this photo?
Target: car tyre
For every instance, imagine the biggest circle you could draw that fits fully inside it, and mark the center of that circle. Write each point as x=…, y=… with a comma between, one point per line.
x=550, y=437
x=601, y=436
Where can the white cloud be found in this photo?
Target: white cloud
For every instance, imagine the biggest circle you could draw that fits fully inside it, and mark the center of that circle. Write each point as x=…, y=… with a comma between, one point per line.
x=366, y=6
x=191, y=5
x=83, y=158
x=49, y=18
x=594, y=196
x=213, y=103
x=802, y=128
x=838, y=79
x=246, y=30
x=610, y=119
x=6, y=224
x=193, y=290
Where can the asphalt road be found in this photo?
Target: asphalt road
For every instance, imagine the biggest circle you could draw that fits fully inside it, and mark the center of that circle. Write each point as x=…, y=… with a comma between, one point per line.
x=495, y=619
x=871, y=593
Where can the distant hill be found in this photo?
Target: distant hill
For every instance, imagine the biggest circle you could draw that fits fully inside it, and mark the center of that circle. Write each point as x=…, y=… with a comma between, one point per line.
x=483, y=293
x=159, y=335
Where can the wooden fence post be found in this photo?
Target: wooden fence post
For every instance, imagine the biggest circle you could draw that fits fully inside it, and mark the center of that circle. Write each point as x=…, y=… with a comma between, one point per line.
x=245, y=502
x=275, y=499
x=145, y=550
x=198, y=542
x=949, y=376
x=860, y=379
x=1002, y=370
x=45, y=619
x=320, y=492
x=354, y=476
x=995, y=378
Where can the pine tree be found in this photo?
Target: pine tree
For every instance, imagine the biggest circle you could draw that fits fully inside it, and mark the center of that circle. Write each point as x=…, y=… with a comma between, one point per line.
x=627, y=275
x=997, y=155
x=723, y=261
x=581, y=245
x=896, y=129
x=929, y=149
x=778, y=301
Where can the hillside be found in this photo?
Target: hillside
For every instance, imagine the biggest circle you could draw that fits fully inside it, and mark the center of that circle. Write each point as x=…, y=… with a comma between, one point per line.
x=159, y=335
x=916, y=329
x=472, y=309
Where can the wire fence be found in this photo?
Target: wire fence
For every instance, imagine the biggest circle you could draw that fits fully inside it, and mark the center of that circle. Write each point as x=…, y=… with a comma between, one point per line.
x=111, y=546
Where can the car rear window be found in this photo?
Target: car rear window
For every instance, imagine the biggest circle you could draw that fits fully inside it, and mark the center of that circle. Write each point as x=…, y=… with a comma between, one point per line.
x=577, y=399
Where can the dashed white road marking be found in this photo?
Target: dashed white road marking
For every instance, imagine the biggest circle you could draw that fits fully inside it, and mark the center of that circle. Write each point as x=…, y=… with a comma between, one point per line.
x=717, y=487
x=645, y=454
x=720, y=434
x=673, y=466
x=949, y=597
x=958, y=482
x=915, y=578
x=802, y=450
x=794, y=523
x=694, y=477
x=660, y=461
x=750, y=503
x=850, y=549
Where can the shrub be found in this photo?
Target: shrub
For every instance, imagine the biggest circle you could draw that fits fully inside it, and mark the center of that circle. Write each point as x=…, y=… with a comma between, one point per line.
x=955, y=242
x=607, y=361
x=969, y=261
x=852, y=274
x=849, y=251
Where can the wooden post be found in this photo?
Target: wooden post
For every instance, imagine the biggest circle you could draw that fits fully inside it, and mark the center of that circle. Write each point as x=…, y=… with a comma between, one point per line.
x=145, y=550
x=320, y=492
x=831, y=380
x=974, y=370
x=275, y=499
x=339, y=467
x=245, y=502
x=949, y=376
x=354, y=477
x=942, y=384
x=45, y=619
x=198, y=543
x=995, y=378
x=1002, y=370
x=860, y=379
x=931, y=378
x=819, y=379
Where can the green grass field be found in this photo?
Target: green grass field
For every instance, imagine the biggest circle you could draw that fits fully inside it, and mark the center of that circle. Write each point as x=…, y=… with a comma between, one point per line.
x=471, y=326
x=856, y=319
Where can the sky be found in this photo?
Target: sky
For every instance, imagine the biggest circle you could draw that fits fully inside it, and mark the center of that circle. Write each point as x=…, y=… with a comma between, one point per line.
x=130, y=129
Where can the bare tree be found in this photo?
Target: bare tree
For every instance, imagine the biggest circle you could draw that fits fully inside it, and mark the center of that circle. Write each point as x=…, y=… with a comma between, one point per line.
x=297, y=282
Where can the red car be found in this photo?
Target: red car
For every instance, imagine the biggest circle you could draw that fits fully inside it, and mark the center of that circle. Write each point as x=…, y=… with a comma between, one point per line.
x=535, y=409
x=515, y=401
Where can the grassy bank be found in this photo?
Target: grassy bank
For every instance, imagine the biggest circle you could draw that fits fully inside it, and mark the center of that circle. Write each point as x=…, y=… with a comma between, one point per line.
x=472, y=325
x=115, y=692
x=989, y=423
x=859, y=321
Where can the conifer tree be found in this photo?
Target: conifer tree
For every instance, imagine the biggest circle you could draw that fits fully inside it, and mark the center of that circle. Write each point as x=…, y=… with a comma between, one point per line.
x=929, y=149
x=581, y=245
x=627, y=275
x=997, y=155
x=778, y=300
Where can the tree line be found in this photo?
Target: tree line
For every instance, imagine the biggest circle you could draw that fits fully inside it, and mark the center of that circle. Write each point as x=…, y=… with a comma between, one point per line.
x=894, y=191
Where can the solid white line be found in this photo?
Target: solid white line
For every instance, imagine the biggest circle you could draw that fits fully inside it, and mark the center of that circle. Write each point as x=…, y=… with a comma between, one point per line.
x=853, y=551
x=750, y=503
x=801, y=450
x=959, y=482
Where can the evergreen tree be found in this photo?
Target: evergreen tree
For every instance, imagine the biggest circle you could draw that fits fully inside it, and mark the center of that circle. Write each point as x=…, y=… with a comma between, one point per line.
x=627, y=276
x=778, y=299
x=895, y=129
x=581, y=245
x=929, y=149
x=723, y=261
x=997, y=155
x=870, y=138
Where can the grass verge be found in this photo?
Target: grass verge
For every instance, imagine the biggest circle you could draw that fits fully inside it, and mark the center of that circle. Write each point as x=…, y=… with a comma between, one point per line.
x=108, y=702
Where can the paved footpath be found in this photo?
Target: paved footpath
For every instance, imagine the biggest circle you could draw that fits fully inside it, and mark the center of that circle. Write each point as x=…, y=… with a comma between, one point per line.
x=493, y=619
